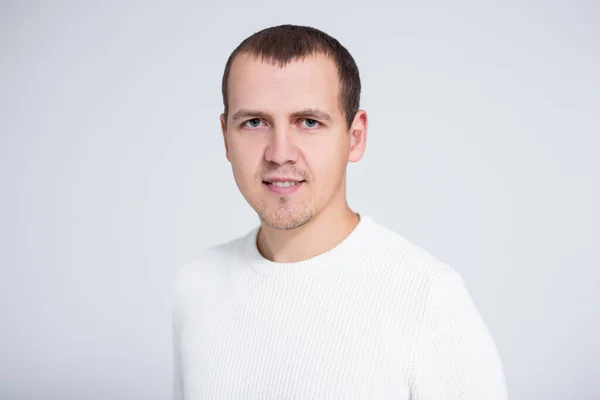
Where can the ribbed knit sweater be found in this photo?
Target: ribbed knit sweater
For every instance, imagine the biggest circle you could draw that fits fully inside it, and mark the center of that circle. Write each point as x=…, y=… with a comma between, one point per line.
x=375, y=317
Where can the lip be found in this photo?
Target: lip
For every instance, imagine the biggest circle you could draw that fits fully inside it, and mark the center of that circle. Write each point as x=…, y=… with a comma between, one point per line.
x=282, y=179
x=283, y=191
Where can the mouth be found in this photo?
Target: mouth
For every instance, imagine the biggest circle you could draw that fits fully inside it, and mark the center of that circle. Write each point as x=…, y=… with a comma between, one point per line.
x=283, y=188
x=282, y=184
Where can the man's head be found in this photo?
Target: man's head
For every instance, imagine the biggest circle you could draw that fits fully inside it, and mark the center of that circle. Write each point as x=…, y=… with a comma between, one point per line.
x=291, y=96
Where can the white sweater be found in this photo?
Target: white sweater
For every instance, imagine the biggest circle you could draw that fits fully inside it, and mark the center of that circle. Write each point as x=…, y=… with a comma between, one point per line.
x=376, y=317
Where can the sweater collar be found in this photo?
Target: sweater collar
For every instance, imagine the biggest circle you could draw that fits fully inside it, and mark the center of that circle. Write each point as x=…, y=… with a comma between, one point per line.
x=330, y=259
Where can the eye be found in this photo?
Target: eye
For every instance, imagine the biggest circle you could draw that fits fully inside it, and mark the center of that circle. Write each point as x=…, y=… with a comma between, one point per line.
x=253, y=123
x=311, y=123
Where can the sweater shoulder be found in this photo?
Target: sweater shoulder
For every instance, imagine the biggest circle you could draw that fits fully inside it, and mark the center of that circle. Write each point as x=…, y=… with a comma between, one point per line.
x=209, y=265
x=402, y=256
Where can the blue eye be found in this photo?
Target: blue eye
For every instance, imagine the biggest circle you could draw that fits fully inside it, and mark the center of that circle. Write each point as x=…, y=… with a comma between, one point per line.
x=253, y=123
x=311, y=123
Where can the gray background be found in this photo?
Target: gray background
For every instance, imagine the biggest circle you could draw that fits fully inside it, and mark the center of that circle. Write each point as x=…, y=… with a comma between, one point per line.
x=483, y=148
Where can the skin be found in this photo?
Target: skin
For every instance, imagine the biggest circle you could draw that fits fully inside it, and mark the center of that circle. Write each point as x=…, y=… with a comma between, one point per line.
x=268, y=133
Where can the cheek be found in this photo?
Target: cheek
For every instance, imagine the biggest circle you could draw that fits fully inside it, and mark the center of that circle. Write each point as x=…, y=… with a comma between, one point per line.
x=245, y=160
x=327, y=160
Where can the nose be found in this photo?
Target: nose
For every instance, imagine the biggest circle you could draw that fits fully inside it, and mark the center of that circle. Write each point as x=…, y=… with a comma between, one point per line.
x=281, y=148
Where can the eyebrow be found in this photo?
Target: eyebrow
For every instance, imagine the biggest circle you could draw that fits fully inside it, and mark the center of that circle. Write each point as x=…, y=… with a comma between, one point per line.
x=304, y=113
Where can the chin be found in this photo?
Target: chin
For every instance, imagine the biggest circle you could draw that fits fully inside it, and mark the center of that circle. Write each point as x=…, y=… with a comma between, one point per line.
x=285, y=219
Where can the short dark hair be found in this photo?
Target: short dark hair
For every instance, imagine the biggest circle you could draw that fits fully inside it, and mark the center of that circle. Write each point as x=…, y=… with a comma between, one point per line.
x=284, y=43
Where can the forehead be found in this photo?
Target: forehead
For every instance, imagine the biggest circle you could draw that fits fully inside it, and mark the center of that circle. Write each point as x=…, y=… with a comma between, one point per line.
x=304, y=83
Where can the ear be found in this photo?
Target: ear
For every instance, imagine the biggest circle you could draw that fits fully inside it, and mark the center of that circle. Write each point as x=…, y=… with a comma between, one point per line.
x=224, y=130
x=358, y=136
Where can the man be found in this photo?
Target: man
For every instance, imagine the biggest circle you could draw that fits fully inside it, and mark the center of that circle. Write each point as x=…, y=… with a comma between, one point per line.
x=319, y=301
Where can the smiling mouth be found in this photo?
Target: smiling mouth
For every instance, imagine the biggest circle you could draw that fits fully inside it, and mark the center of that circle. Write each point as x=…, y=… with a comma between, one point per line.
x=283, y=184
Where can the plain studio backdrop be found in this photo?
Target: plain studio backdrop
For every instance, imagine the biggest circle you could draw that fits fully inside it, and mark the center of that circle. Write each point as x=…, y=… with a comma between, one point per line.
x=483, y=148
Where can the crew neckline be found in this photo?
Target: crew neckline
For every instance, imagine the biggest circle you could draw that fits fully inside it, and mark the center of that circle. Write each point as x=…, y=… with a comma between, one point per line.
x=326, y=260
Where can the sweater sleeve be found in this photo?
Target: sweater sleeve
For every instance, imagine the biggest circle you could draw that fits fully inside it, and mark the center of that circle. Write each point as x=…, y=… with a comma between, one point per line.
x=456, y=357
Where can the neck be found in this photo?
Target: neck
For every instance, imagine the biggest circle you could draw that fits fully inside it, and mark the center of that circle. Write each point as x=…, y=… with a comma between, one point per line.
x=322, y=233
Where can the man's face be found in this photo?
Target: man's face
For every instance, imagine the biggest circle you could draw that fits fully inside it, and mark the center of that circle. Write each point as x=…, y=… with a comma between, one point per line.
x=286, y=138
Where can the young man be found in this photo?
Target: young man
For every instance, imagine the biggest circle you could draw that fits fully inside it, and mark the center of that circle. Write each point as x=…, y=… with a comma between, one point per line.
x=319, y=301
